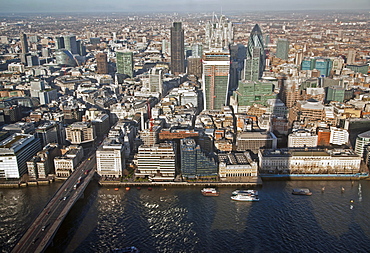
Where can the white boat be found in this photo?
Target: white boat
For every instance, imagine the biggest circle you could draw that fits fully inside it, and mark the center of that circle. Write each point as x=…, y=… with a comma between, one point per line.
x=236, y=192
x=210, y=192
x=245, y=197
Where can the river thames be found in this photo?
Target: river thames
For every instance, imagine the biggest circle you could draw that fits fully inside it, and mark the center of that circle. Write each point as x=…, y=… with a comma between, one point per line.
x=183, y=220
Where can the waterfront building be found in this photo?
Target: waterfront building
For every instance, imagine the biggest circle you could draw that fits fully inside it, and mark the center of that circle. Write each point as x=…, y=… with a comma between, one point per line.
x=102, y=63
x=177, y=49
x=125, y=62
x=15, y=151
x=110, y=159
x=156, y=162
x=237, y=167
x=302, y=138
x=42, y=164
x=362, y=141
x=219, y=33
x=312, y=161
x=66, y=164
x=255, y=59
x=282, y=49
x=80, y=132
x=194, y=162
x=216, y=67
x=253, y=141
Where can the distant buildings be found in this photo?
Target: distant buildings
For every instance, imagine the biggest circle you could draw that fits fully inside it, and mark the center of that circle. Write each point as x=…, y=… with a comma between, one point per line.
x=177, y=49
x=219, y=33
x=282, y=49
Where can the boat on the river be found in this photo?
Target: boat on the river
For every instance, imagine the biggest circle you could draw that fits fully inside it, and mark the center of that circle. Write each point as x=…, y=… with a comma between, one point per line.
x=302, y=191
x=236, y=192
x=245, y=197
x=210, y=192
x=131, y=249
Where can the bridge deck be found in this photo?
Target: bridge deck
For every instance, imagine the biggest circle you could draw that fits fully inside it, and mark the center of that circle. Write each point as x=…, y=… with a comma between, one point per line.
x=41, y=233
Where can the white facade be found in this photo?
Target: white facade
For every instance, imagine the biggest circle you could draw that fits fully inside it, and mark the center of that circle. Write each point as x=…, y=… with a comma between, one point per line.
x=66, y=164
x=110, y=160
x=316, y=161
x=302, y=139
x=338, y=136
x=15, y=151
x=156, y=162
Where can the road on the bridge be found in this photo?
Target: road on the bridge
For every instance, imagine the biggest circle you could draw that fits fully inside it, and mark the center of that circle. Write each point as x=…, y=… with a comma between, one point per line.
x=41, y=232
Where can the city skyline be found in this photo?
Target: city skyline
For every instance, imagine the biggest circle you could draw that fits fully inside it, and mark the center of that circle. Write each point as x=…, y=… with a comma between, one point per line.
x=39, y=6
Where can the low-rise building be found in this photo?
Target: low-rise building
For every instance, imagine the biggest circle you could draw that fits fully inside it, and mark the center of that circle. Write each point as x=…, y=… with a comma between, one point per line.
x=66, y=164
x=312, y=161
x=237, y=167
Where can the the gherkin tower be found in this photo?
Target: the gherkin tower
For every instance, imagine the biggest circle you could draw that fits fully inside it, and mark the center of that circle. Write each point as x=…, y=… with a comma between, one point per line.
x=255, y=58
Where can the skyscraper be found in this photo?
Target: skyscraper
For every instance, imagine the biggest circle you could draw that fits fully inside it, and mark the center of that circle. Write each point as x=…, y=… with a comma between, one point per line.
x=24, y=44
x=177, y=49
x=125, y=63
x=216, y=67
x=255, y=60
x=59, y=42
x=70, y=43
x=102, y=63
x=282, y=49
x=219, y=33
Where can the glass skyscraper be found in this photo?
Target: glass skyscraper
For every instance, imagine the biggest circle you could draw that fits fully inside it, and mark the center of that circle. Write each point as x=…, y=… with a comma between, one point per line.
x=216, y=68
x=255, y=60
x=125, y=63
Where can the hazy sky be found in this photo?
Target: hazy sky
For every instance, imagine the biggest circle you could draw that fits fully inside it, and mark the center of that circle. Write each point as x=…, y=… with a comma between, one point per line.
x=177, y=5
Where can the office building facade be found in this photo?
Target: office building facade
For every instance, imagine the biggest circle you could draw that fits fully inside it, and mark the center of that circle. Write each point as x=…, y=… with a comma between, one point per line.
x=177, y=49
x=216, y=68
x=102, y=63
x=255, y=59
x=282, y=49
x=125, y=63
